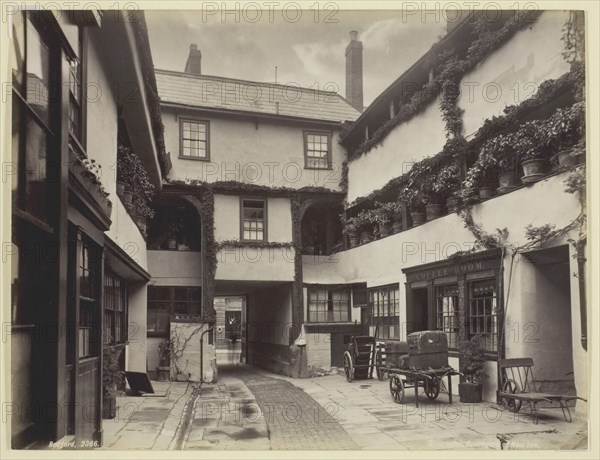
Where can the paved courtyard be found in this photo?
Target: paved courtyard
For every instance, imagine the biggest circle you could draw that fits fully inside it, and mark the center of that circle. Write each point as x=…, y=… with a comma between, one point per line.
x=253, y=409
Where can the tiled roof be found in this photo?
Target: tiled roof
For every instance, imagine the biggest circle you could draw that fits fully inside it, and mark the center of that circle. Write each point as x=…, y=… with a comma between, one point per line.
x=250, y=96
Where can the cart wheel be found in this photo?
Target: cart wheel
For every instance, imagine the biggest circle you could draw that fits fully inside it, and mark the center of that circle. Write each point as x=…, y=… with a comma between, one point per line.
x=397, y=388
x=348, y=367
x=512, y=404
x=432, y=388
x=379, y=366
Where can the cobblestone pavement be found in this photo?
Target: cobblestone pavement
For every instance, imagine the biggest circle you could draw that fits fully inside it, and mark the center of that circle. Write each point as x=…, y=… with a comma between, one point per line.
x=253, y=409
x=248, y=409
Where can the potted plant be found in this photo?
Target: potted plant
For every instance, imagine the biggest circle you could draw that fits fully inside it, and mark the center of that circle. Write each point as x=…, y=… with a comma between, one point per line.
x=447, y=181
x=365, y=220
x=472, y=361
x=533, y=153
x=416, y=203
x=165, y=349
x=563, y=131
x=351, y=228
x=384, y=215
x=502, y=150
x=397, y=218
x=112, y=377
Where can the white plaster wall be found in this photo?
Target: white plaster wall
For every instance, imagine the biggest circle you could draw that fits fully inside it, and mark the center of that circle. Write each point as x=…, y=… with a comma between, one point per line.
x=252, y=151
x=227, y=219
x=175, y=268
x=514, y=72
x=421, y=136
x=135, y=354
x=318, y=350
x=380, y=262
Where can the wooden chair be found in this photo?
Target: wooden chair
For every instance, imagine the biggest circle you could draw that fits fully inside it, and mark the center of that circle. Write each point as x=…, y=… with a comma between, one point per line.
x=518, y=385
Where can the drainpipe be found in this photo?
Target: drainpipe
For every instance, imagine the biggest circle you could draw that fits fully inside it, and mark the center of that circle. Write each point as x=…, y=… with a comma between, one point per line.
x=202, y=353
x=582, y=299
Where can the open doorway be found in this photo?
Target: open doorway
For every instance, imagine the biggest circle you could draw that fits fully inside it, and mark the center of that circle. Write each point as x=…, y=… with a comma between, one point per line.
x=419, y=318
x=230, y=313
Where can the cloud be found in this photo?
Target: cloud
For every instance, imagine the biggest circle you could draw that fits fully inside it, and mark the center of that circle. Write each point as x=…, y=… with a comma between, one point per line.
x=382, y=34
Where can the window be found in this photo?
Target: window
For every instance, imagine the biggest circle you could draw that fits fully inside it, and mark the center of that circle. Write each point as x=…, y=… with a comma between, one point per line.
x=88, y=295
x=164, y=301
x=254, y=220
x=115, y=308
x=328, y=305
x=482, y=319
x=317, y=147
x=74, y=35
x=34, y=97
x=384, y=312
x=194, y=139
x=446, y=298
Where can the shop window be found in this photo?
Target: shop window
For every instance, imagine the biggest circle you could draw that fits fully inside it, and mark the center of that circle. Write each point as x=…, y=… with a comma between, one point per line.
x=254, y=220
x=317, y=150
x=483, y=310
x=326, y=305
x=165, y=301
x=447, y=312
x=194, y=140
x=115, y=308
x=384, y=314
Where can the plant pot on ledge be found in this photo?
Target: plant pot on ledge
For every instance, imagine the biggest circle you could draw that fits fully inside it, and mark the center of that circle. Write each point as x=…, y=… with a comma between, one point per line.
x=508, y=181
x=385, y=230
x=109, y=406
x=433, y=211
x=567, y=160
x=353, y=240
x=534, y=170
x=470, y=392
x=451, y=205
x=164, y=373
x=418, y=218
x=366, y=237
x=397, y=226
x=485, y=192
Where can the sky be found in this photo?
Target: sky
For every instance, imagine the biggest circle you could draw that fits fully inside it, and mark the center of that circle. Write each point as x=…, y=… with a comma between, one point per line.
x=308, y=47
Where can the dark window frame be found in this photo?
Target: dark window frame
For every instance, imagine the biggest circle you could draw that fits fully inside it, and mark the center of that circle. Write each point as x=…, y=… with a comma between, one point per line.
x=454, y=335
x=199, y=121
x=330, y=302
x=116, y=308
x=307, y=133
x=171, y=301
x=265, y=219
x=495, y=315
x=380, y=324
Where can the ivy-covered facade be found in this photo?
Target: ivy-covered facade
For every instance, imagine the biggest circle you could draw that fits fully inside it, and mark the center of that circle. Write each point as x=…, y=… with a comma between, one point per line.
x=489, y=215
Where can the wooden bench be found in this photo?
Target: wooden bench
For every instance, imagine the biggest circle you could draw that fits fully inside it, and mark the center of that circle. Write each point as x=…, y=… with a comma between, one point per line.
x=518, y=385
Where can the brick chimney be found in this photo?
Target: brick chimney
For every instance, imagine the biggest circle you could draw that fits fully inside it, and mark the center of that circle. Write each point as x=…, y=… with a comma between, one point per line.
x=194, y=60
x=354, y=72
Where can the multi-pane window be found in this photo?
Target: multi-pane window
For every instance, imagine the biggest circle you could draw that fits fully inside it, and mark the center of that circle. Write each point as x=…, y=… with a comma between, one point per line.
x=483, y=310
x=328, y=305
x=317, y=150
x=88, y=293
x=254, y=220
x=194, y=139
x=384, y=312
x=446, y=298
x=34, y=94
x=164, y=301
x=115, y=308
x=74, y=35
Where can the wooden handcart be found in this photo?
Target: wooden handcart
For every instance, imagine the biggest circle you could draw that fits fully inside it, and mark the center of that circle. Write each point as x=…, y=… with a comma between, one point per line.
x=431, y=380
x=518, y=386
x=359, y=358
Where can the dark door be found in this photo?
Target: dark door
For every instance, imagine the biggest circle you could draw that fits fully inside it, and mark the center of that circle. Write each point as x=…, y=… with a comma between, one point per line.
x=419, y=318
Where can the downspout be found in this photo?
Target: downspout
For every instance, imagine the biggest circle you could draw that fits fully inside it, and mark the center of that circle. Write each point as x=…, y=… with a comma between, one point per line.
x=202, y=353
x=582, y=297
